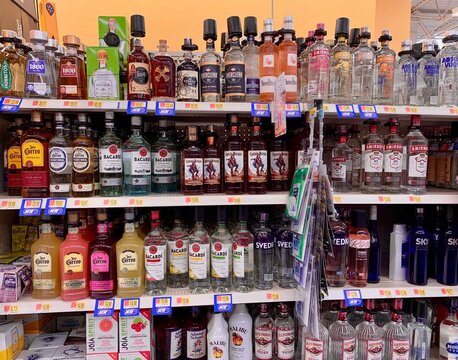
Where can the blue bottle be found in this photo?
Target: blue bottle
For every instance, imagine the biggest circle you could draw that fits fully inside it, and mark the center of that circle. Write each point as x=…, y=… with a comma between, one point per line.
x=435, y=238
x=417, y=268
x=447, y=253
x=373, y=275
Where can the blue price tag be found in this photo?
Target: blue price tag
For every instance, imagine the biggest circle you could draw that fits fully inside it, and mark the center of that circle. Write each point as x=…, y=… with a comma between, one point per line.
x=260, y=109
x=353, y=297
x=293, y=110
x=367, y=112
x=8, y=104
x=162, y=305
x=104, y=307
x=165, y=108
x=130, y=307
x=137, y=107
x=56, y=206
x=345, y=111
x=30, y=207
x=222, y=302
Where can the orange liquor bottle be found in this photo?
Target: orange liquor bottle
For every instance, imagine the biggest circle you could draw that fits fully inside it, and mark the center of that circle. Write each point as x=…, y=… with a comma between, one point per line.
x=267, y=60
x=287, y=59
x=72, y=71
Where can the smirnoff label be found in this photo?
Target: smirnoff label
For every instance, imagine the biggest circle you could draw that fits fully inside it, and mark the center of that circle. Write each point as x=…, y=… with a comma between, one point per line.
x=263, y=344
x=314, y=349
x=373, y=158
x=233, y=166
x=155, y=262
x=418, y=161
x=392, y=158
x=257, y=166
x=212, y=171
x=178, y=256
x=139, y=74
x=279, y=165
x=399, y=349
x=285, y=344
x=220, y=260
x=374, y=349
x=348, y=349
x=339, y=168
x=199, y=261
x=110, y=159
x=193, y=169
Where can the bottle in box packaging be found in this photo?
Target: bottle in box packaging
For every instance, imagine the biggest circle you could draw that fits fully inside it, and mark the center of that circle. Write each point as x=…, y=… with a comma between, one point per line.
x=102, y=73
x=17, y=279
x=114, y=32
x=70, y=352
x=41, y=354
x=135, y=332
x=108, y=356
x=11, y=340
x=102, y=336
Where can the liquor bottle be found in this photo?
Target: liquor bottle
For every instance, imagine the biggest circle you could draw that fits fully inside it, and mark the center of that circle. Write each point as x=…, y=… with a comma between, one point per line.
x=12, y=66
x=342, y=338
x=428, y=76
x=221, y=255
x=416, y=159
x=136, y=156
x=256, y=160
x=82, y=161
x=102, y=255
x=199, y=256
x=372, y=160
x=287, y=59
x=358, y=256
x=11, y=132
x=12, y=161
x=393, y=157
x=263, y=254
x=373, y=276
x=241, y=330
x=356, y=316
x=263, y=334
x=443, y=160
x=420, y=334
x=74, y=271
x=279, y=161
x=130, y=264
x=34, y=157
x=341, y=61
x=417, y=268
x=436, y=238
x=301, y=144
x=234, y=171
x=336, y=261
x=46, y=264
x=194, y=336
x=405, y=78
x=155, y=258
x=398, y=253
x=330, y=316
x=234, y=63
x=319, y=61
x=192, y=165
x=103, y=84
x=369, y=342
x=212, y=163
x=315, y=347
x=188, y=74
x=267, y=63
x=447, y=253
x=210, y=65
x=285, y=259
x=163, y=74
x=303, y=64
x=342, y=163
x=169, y=334
x=218, y=339
x=448, y=330
x=251, y=53
x=72, y=84
x=40, y=80
x=51, y=47
x=385, y=59
x=177, y=259
x=243, y=255
x=354, y=144
x=396, y=339
x=448, y=71
x=363, y=62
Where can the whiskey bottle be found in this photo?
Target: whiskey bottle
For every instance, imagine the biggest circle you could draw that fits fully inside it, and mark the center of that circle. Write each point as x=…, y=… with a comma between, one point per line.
x=60, y=161
x=267, y=61
x=82, y=161
x=12, y=66
x=210, y=65
x=234, y=171
x=192, y=165
x=163, y=74
x=14, y=163
x=256, y=160
x=287, y=59
x=188, y=74
x=212, y=163
x=72, y=74
x=234, y=63
x=279, y=161
x=251, y=53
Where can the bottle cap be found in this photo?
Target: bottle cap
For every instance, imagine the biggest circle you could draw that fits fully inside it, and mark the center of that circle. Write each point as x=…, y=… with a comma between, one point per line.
x=188, y=45
x=36, y=116
x=102, y=214
x=136, y=121
x=406, y=45
x=250, y=26
x=386, y=35
x=264, y=308
x=234, y=28
x=59, y=117
x=288, y=24
x=359, y=218
x=137, y=26
x=223, y=41
x=320, y=31
x=421, y=309
x=369, y=304
x=299, y=41
x=263, y=216
x=211, y=129
x=82, y=119
x=9, y=34
x=268, y=27
x=71, y=40
x=233, y=119
x=163, y=123
x=393, y=121
x=374, y=45
x=342, y=27
x=221, y=213
x=82, y=49
x=210, y=29
x=102, y=54
x=428, y=46
x=60, y=50
x=155, y=215
x=109, y=115
x=38, y=35
x=72, y=217
x=129, y=214
x=353, y=40
x=192, y=132
x=415, y=121
x=365, y=33
x=399, y=228
x=454, y=303
x=52, y=44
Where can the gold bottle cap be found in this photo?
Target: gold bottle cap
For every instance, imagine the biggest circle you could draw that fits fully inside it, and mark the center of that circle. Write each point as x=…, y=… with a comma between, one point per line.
x=71, y=40
x=72, y=217
x=102, y=54
x=9, y=34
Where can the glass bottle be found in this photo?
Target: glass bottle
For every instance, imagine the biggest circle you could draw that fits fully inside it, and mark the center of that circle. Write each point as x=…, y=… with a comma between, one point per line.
x=188, y=74
x=420, y=334
x=356, y=316
x=51, y=48
x=234, y=172
x=396, y=339
x=342, y=339
x=103, y=84
x=340, y=87
x=354, y=144
x=405, y=77
x=13, y=162
x=393, y=157
x=256, y=160
x=417, y=268
x=12, y=66
x=155, y=258
x=373, y=276
x=319, y=65
x=164, y=158
x=336, y=260
x=279, y=161
x=267, y=63
x=363, y=62
x=342, y=164
x=263, y=254
x=263, y=334
x=330, y=316
x=385, y=59
x=199, y=256
x=234, y=63
x=210, y=65
x=369, y=341
x=243, y=255
x=72, y=84
x=221, y=255
x=284, y=334
x=303, y=65
x=428, y=76
x=448, y=330
x=177, y=250
x=212, y=163
x=372, y=160
x=287, y=59
x=251, y=53
x=194, y=336
x=169, y=338
x=301, y=143
x=447, y=252
x=441, y=226
x=284, y=258
x=163, y=74
x=358, y=255
x=192, y=165
x=448, y=71
x=313, y=346
x=82, y=161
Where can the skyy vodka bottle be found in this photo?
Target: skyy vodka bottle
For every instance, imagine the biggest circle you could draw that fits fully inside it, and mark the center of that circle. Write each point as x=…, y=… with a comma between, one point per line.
x=263, y=254
x=417, y=269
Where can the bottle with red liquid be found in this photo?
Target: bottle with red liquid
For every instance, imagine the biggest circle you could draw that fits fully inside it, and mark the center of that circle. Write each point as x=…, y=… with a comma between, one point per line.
x=358, y=255
x=163, y=74
x=212, y=163
x=194, y=336
x=192, y=165
x=234, y=171
x=256, y=161
x=279, y=160
x=168, y=338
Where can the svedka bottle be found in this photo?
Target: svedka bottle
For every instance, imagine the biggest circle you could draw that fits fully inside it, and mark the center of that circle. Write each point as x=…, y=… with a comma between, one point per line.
x=336, y=260
x=417, y=269
x=358, y=256
x=263, y=254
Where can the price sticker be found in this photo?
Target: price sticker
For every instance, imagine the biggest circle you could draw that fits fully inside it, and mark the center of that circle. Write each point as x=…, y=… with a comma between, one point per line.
x=71, y=104
x=419, y=292
x=234, y=200
x=273, y=296
x=216, y=106
x=165, y=108
x=30, y=207
x=400, y=292
x=222, y=302
x=40, y=103
x=183, y=300
x=293, y=110
x=453, y=111
x=345, y=111
x=137, y=107
x=95, y=104
x=162, y=305
x=110, y=202
x=337, y=199
x=389, y=109
x=386, y=293
x=104, y=307
x=10, y=104
x=191, y=106
x=11, y=309
x=384, y=199
x=136, y=201
x=130, y=307
x=43, y=307
x=77, y=305
x=353, y=297
x=415, y=199
x=8, y=204
x=412, y=109
x=192, y=200
x=56, y=206
x=260, y=109
x=367, y=112
x=448, y=292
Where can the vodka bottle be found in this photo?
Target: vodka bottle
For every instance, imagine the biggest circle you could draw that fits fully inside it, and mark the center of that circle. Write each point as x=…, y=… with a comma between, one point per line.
x=336, y=260
x=241, y=330
x=373, y=275
x=372, y=160
x=448, y=343
x=155, y=258
x=340, y=87
x=396, y=339
x=284, y=334
x=369, y=342
x=398, y=253
x=436, y=238
x=363, y=62
x=319, y=64
x=448, y=71
x=358, y=256
x=177, y=262
x=263, y=254
x=405, y=78
x=210, y=65
x=234, y=63
x=385, y=59
x=354, y=144
x=263, y=335
x=242, y=256
x=420, y=334
x=428, y=76
x=285, y=259
x=218, y=339
x=342, y=164
x=417, y=268
x=383, y=315
x=221, y=259
x=199, y=256
x=303, y=70
x=315, y=347
x=330, y=316
x=251, y=53
x=447, y=252
x=392, y=158
x=356, y=317
x=342, y=339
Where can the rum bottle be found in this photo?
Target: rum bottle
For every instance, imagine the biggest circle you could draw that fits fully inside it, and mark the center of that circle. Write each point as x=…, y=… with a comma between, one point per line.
x=195, y=336
x=14, y=163
x=243, y=255
x=192, y=165
x=385, y=59
x=234, y=171
x=393, y=157
x=241, y=330
x=82, y=161
x=188, y=74
x=267, y=61
x=363, y=63
x=177, y=250
x=212, y=163
x=199, y=256
x=234, y=63
x=279, y=161
x=221, y=255
x=251, y=53
x=163, y=74
x=164, y=162
x=358, y=256
x=287, y=59
x=340, y=87
x=372, y=160
x=72, y=84
x=12, y=66
x=155, y=258
x=210, y=65
x=256, y=160
x=342, y=164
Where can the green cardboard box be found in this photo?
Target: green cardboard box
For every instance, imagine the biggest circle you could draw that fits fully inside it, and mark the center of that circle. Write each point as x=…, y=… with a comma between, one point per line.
x=102, y=73
x=114, y=31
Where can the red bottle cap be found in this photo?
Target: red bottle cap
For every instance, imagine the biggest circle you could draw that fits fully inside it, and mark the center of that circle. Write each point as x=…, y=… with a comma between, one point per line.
x=155, y=215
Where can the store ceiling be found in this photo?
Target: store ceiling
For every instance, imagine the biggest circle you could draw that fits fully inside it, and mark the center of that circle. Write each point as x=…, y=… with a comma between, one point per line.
x=430, y=19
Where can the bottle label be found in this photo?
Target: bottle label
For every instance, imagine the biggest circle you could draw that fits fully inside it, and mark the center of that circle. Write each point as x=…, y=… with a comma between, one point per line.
x=257, y=166
x=291, y=83
x=32, y=153
x=268, y=61
x=267, y=84
x=101, y=285
x=100, y=262
x=399, y=349
x=235, y=79
x=344, y=57
x=164, y=162
x=14, y=180
x=82, y=187
x=239, y=345
x=356, y=159
x=196, y=344
x=220, y=260
x=238, y=259
x=392, y=158
x=314, y=349
x=73, y=263
x=374, y=349
x=301, y=155
x=44, y=284
x=38, y=88
x=42, y=261
x=82, y=158
x=103, y=86
x=252, y=86
x=6, y=76
x=449, y=347
x=59, y=160
x=263, y=344
x=69, y=89
x=279, y=165
x=285, y=344
x=139, y=78
x=319, y=63
x=348, y=349
x=155, y=262
x=373, y=158
x=233, y=166
x=14, y=158
x=128, y=261
x=36, y=67
x=360, y=241
x=141, y=162
x=110, y=182
x=188, y=85
x=110, y=160
x=218, y=350
x=291, y=59
x=175, y=344
x=198, y=261
x=339, y=168
x=212, y=171
x=178, y=256
x=418, y=161
x=129, y=283
x=210, y=79
x=68, y=70
x=193, y=171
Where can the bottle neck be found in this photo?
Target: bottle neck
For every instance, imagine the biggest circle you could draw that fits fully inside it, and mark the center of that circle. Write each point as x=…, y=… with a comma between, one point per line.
x=199, y=225
x=102, y=63
x=155, y=224
x=71, y=51
x=242, y=225
x=211, y=140
x=135, y=132
x=234, y=43
x=373, y=128
x=288, y=37
x=234, y=130
x=210, y=45
x=187, y=55
x=38, y=46
x=59, y=130
x=267, y=39
x=250, y=40
x=364, y=42
x=385, y=44
x=342, y=139
x=341, y=39
x=393, y=129
x=82, y=130
x=221, y=224
x=420, y=220
x=138, y=45
x=256, y=130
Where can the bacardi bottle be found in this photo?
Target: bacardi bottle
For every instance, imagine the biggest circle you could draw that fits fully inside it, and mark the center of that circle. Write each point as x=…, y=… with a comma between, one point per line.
x=243, y=255
x=234, y=171
x=340, y=90
x=428, y=76
x=385, y=59
x=393, y=157
x=263, y=254
x=342, y=339
x=342, y=164
x=188, y=74
x=287, y=59
x=256, y=160
x=234, y=63
x=336, y=260
x=177, y=249
x=369, y=341
x=199, y=256
x=251, y=53
x=192, y=165
x=417, y=268
x=358, y=257
x=448, y=71
x=406, y=76
x=268, y=55
x=212, y=163
x=263, y=335
x=210, y=65
x=372, y=160
x=155, y=258
x=221, y=255
x=60, y=161
x=164, y=162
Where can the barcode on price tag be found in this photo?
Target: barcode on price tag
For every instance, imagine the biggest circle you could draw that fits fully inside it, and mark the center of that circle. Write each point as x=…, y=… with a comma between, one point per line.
x=104, y=307
x=222, y=302
x=162, y=305
x=130, y=307
x=353, y=297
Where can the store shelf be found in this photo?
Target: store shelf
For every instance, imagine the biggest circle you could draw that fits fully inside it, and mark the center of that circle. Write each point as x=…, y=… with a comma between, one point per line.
x=389, y=289
x=181, y=297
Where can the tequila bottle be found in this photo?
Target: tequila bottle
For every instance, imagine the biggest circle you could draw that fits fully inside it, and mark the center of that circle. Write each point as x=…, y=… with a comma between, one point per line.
x=287, y=59
x=72, y=84
x=372, y=160
x=342, y=338
x=405, y=78
x=103, y=83
x=428, y=76
x=13, y=162
x=267, y=61
x=192, y=165
x=12, y=66
x=342, y=164
x=369, y=337
x=363, y=62
x=448, y=71
x=234, y=63
x=393, y=157
x=234, y=171
x=221, y=255
x=256, y=160
x=82, y=161
x=385, y=59
x=284, y=334
x=199, y=256
x=210, y=65
x=212, y=163
x=51, y=48
x=263, y=334
x=395, y=339
x=319, y=64
x=251, y=52
x=155, y=258
x=243, y=255
x=303, y=69
x=188, y=74
x=354, y=144
x=163, y=74
x=263, y=254
x=164, y=169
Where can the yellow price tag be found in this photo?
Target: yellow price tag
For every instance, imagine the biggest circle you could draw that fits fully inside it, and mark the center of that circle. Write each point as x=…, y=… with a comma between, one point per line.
x=273, y=296
x=234, y=200
x=448, y=292
x=412, y=109
x=400, y=292
x=420, y=292
x=183, y=300
x=453, y=111
x=11, y=204
x=43, y=307
x=77, y=305
x=131, y=303
x=84, y=202
x=337, y=199
x=415, y=199
x=110, y=202
x=216, y=106
x=10, y=101
x=32, y=203
x=192, y=200
x=94, y=104
x=325, y=107
x=384, y=199
x=389, y=109
x=191, y=106
x=71, y=104
x=40, y=103
x=14, y=309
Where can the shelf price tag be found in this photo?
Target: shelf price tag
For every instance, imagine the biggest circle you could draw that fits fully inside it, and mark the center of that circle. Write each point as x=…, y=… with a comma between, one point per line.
x=367, y=112
x=402, y=293
x=222, y=302
x=384, y=199
x=136, y=201
x=386, y=293
x=412, y=109
x=10, y=104
x=419, y=292
x=56, y=206
x=353, y=297
x=137, y=107
x=77, y=305
x=165, y=108
x=71, y=104
x=183, y=300
x=453, y=111
x=234, y=200
x=273, y=296
x=260, y=109
x=448, y=292
x=95, y=104
x=43, y=307
x=390, y=109
x=110, y=202
x=337, y=199
x=415, y=198
x=162, y=305
x=192, y=200
x=8, y=204
x=40, y=103
x=216, y=106
x=104, y=307
x=30, y=207
x=345, y=111
x=11, y=309
x=293, y=110
x=191, y=106
x=130, y=307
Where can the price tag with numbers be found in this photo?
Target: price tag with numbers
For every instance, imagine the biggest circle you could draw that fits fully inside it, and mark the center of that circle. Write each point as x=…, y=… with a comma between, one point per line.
x=56, y=206
x=353, y=297
x=293, y=110
x=384, y=199
x=234, y=200
x=345, y=111
x=165, y=108
x=411, y=109
x=71, y=104
x=40, y=103
x=30, y=207
x=10, y=104
x=11, y=309
x=110, y=202
x=183, y=300
x=137, y=107
x=419, y=292
x=260, y=109
x=8, y=204
x=386, y=293
x=415, y=198
x=104, y=307
x=43, y=307
x=448, y=292
x=222, y=302
x=273, y=296
x=162, y=305
x=95, y=104
x=402, y=293
x=389, y=109
x=367, y=112
x=136, y=201
x=191, y=106
x=217, y=106
x=192, y=200
x=78, y=305
x=130, y=307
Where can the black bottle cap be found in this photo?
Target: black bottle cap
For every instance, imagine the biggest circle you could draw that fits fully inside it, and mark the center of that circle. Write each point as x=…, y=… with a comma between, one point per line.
x=422, y=309
x=234, y=27
x=137, y=26
x=250, y=26
x=359, y=218
x=353, y=40
x=210, y=29
x=243, y=213
x=364, y=33
x=342, y=27
x=223, y=41
x=188, y=45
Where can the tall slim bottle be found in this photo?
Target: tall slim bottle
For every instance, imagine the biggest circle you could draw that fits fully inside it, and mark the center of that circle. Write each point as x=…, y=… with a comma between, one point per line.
x=243, y=255
x=155, y=258
x=234, y=170
x=263, y=254
x=234, y=63
x=373, y=276
x=199, y=256
x=336, y=260
x=192, y=164
x=417, y=269
x=342, y=164
x=267, y=63
x=212, y=163
x=385, y=59
x=210, y=65
x=447, y=253
x=372, y=160
x=448, y=71
x=256, y=160
x=251, y=52
x=284, y=255
x=363, y=69
x=287, y=59
x=13, y=163
x=428, y=76
x=420, y=334
x=279, y=163
x=393, y=157
x=358, y=256
x=221, y=255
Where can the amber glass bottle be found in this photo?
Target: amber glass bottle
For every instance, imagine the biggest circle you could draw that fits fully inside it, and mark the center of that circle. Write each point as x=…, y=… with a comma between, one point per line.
x=212, y=163
x=234, y=169
x=163, y=74
x=83, y=161
x=256, y=161
x=72, y=71
x=14, y=163
x=279, y=160
x=192, y=165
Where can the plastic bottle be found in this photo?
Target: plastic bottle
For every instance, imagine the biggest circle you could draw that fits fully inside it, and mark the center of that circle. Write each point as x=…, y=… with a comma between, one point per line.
x=398, y=253
x=241, y=329
x=218, y=339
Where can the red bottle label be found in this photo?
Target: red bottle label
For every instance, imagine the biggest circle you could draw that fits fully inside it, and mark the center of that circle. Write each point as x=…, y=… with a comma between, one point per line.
x=14, y=180
x=35, y=179
x=68, y=70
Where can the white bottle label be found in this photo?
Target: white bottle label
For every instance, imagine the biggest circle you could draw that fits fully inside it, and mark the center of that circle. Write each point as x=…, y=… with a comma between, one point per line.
x=314, y=349
x=220, y=260
x=267, y=84
x=164, y=162
x=60, y=160
x=392, y=158
x=212, y=171
x=217, y=349
x=195, y=344
x=268, y=61
x=188, y=85
x=178, y=256
x=263, y=344
x=81, y=159
x=399, y=349
x=141, y=162
x=339, y=168
x=155, y=262
x=238, y=260
x=285, y=344
x=349, y=349
x=110, y=160
x=301, y=155
x=448, y=346
x=373, y=158
x=418, y=161
x=374, y=349
x=175, y=344
x=193, y=171
x=292, y=59
x=233, y=166
x=198, y=261
x=291, y=83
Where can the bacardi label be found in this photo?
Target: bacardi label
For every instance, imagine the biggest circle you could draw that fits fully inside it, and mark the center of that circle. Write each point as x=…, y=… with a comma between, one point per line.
x=235, y=78
x=110, y=160
x=128, y=261
x=193, y=171
x=13, y=158
x=263, y=343
x=267, y=84
x=175, y=344
x=81, y=157
x=164, y=162
x=199, y=261
x=178, y=256
x=212, y=171
x=187, y=85
x=196, y=344
x=418, y=161
x=374, y=349
x=141, y=162
x=314, y=349
x=220, y=260
x=392, y=158
x=349, y=349
x=139, y=78
x=233, y=166
x=373, y=158
x=399, y=349
x=339, y=168
x=68, y=70
x=210, y=79
x=257, y=166
x=285, y=344
x=238, y=259
x=279, y=165
x=60, y=160
x=155, y=262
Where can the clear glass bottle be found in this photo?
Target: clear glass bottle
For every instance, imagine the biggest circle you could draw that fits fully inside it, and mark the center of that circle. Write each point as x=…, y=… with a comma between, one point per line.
x=303, y=63
x=420, y=334
x=363, y=62
x=12, y=66
x=263, y=334
x=51, y=48
x=287, y=59
x=383, y=315
x=285, y=259
x=199, y=256
x=396, y=339
x=188, y=74
x=385, y=59
x=354, y=144
x=210, y=65
x=372, y=160
x=212, y=163
x=284, y=334
x=330, y=316
x=342, y=339
x=393, y=157
x=163, y=74
x=405, y=78
x=267, y=61
x=358, y=255
x=251, y=52
x=234, y=63
x=313, y=347
x=263, y=254
x=72, y=84
x=103, y=84
x=448, y=333
x=192, y=164
x=356, y=316
x=428, y=76
x=221, y=255
x=336, y=260
x=243, y=255
x=342, y=164
x=177, y=255
x=448, y=71
x=369, y=341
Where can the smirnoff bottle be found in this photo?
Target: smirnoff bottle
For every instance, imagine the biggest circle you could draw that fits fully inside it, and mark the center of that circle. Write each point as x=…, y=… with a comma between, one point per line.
x=199, y=256
x=155, y=258
x=263, y=335
x=356, y=316
x=363, y=69
x=336, y=261
x=342, y=164
x=284, y=334
x=428, y=76
x=177, y=262
x=355, y=145
x=263, y=254
x=372, y=160
x=385, y=59
x=315, y=347
x=243, y=255
x=369, y=342
x=406, y=76
x=234, y=63
x=342, y=339
x=210, y=65
x=448, y=71
x=221, y=255
x=330, y=316
x=392, y=158
x=396, y=339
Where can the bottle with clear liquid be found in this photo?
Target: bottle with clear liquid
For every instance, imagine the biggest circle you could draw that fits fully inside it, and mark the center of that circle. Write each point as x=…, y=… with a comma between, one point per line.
x=268, y=57
x=356, y=316
x=342, y=164
x=385, y=59
x=242, y=255
x=448, y=71
x=251, y=53
x=51, y=48
x=285, y=259
x=284, y=334
x=396, y=339
x=354, y=144
x=372, y=160
x=393, y=157
x=330, y=316
x=221, y=255
x=336, y=261
x=263, y=254
x=263, y=334
x=314, y=347
x=342, y=339
x=420, y=334
x=188, y=74
x=199, y=256
x=177, y=249
x=383, y=315
x=341, y=62
x=405, y=78
x=448, y=342
x=369, y=337
x=303, y=62
x=210, y=65
x=363, y=62
x=287, y=59
x=319, y=64
x=234, y=63
x=428, y=76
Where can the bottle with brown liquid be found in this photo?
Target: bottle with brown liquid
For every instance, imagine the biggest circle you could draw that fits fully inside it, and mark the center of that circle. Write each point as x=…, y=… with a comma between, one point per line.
x=234, y=171
x=192, y=165
x=212, y=163
x=14, y=164
x=256, y=160
x=83, y=161
x=12, y=66
x=72, y=71
x=163, y=74
x=279, y=160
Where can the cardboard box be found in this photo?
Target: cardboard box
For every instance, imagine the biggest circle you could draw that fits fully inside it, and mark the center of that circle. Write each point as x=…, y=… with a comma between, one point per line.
x=101, y=334
x=37, y=354
x=70, y=352
x=35, y=323
x=76, y=337
x=11, y=340
x=14, y=281
x=46, y=341
x=107, y=356
x=18, y=235
x=135, y=332
x=114, y=32
x=102, y=73
x=138, y=355
x=70, y=322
